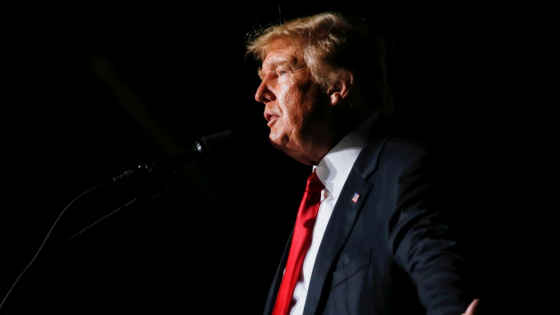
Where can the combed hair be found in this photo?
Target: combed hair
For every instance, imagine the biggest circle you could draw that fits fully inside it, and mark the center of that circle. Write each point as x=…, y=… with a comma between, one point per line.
x=333, y=42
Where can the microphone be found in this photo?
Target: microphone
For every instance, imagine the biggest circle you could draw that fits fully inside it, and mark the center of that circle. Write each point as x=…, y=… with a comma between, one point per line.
x=204, y=149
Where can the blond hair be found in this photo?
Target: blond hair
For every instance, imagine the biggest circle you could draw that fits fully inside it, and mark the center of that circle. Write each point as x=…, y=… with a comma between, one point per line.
x=331, y=43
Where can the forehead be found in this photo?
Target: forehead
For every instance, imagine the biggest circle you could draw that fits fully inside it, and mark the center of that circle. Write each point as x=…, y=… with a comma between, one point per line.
x=281, y=51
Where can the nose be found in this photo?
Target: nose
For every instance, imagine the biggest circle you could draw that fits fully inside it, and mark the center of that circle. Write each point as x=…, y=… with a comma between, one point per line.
x=264, y=94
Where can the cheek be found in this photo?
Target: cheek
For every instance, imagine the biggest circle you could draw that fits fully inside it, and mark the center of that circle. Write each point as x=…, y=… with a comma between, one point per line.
x=297, y=108
x=299, y=102
x=304, y=105
x=290, y=103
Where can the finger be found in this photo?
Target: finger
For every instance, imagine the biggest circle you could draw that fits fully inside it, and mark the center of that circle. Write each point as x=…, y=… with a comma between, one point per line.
x=471, y=310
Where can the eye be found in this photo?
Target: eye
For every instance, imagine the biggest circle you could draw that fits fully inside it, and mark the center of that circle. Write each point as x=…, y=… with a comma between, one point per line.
x=281, y=72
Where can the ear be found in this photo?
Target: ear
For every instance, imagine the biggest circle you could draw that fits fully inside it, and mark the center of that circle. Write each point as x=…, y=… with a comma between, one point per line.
x=340, y=88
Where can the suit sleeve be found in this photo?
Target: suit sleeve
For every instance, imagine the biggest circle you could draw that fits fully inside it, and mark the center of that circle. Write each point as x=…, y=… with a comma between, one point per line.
x=420, y=237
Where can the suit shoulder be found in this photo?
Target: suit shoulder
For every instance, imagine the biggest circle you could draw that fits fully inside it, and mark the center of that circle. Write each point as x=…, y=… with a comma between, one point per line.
x=403, y=148
x=391, y=153
x=401, y=142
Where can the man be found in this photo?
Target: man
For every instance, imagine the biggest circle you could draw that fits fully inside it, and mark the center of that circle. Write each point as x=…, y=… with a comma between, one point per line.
x=378, y=243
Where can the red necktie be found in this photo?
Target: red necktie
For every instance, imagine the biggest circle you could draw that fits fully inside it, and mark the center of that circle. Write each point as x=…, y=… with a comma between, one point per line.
x=301, y=240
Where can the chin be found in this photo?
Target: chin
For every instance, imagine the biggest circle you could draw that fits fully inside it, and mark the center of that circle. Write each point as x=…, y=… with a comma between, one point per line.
x=279, y=145
x=277, y=140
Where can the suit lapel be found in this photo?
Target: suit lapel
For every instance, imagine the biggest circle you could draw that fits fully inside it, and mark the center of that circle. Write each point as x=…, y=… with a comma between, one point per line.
x=350, y=202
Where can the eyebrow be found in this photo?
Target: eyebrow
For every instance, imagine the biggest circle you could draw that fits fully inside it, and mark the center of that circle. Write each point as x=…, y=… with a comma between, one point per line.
x=274, y=65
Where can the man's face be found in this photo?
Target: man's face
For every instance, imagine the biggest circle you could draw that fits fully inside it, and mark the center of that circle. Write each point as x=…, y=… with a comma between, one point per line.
x=296, y=108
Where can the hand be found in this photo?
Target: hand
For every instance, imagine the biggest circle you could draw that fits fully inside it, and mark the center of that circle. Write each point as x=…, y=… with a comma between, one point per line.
x=473, y=308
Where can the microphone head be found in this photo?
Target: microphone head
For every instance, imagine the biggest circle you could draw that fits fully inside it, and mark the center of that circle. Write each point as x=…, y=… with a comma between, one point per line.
x=216, y=144
x=207, y=147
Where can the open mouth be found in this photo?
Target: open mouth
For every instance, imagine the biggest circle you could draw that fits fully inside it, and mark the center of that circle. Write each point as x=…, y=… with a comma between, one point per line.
x=270, y=117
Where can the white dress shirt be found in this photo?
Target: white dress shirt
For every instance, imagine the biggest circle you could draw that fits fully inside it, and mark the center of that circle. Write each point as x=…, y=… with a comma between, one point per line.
x=332, y=170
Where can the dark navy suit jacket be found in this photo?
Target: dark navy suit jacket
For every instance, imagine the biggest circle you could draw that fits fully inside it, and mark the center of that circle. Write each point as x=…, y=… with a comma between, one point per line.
x=391, y=252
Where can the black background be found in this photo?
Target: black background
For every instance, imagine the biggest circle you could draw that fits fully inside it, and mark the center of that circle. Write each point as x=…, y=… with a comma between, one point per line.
x=94, y=88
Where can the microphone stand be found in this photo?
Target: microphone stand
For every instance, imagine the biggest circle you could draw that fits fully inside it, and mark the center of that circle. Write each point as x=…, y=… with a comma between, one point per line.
x=148, y=182
x=145, y=185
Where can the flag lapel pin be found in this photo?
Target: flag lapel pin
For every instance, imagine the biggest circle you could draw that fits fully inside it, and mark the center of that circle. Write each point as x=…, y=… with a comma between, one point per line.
x=355, y=198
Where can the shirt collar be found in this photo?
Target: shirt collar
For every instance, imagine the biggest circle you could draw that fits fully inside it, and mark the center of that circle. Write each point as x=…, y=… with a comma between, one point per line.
x=335, y=167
